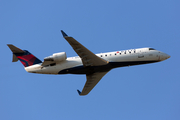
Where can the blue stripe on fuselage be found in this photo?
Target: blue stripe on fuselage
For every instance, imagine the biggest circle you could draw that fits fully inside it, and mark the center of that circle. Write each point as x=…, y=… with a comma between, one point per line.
x=88, y=70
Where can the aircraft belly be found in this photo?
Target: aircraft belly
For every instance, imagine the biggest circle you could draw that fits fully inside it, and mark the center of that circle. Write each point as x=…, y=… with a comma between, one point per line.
x=89, y=70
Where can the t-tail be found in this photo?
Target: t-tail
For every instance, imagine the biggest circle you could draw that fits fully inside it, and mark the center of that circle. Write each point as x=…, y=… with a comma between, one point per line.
x=26, y=58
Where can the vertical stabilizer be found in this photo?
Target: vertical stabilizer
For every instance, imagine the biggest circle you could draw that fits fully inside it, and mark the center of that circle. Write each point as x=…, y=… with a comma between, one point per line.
x=26, y=58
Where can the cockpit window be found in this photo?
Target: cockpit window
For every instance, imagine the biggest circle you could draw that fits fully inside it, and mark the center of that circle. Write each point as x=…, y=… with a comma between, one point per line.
x=152, y=49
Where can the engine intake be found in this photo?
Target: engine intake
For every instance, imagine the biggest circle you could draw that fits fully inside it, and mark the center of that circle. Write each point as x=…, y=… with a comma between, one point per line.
x=57, y=57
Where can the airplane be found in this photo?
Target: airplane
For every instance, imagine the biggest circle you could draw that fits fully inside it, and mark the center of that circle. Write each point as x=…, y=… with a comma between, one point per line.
x=94, y=66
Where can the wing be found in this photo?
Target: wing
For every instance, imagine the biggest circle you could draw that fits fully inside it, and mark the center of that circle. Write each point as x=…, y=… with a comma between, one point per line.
x=88, y=58
x=91, y=82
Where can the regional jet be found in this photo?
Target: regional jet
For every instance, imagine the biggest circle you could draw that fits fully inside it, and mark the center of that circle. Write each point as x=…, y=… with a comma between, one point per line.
x=94, y=66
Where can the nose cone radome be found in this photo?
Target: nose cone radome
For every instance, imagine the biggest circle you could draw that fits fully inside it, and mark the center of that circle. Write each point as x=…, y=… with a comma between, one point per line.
x=164, y=56
x=168, y=56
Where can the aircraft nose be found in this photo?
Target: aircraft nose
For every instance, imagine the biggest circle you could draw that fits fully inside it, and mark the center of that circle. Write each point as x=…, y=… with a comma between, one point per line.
x=164, y=56
x=168, y=56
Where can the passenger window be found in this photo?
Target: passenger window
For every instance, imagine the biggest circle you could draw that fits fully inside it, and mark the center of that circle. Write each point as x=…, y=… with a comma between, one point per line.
x=115, y=53
x=105, y=55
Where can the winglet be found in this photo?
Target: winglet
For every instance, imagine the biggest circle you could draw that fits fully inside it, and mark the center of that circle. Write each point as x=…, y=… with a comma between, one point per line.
x=79, y=92
x=63, y=33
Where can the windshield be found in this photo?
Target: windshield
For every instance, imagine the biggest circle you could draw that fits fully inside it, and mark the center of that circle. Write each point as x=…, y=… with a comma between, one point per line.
x=152, y=49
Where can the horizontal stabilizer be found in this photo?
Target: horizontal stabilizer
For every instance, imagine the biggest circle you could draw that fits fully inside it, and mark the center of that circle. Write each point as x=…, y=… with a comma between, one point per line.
x=15, y=49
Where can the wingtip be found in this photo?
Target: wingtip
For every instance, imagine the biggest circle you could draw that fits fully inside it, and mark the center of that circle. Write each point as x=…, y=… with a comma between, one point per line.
x=63, y=33
x=9, y=44
x=79, y=92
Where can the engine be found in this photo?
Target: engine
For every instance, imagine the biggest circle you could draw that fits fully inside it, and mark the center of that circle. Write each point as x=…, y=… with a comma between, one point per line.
x=57, y=57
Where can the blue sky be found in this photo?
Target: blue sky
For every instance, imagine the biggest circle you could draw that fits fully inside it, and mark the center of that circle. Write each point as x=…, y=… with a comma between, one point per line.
x=142, y=92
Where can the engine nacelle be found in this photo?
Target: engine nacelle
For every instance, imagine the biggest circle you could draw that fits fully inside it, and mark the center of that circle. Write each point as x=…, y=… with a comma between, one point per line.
x=57, y=57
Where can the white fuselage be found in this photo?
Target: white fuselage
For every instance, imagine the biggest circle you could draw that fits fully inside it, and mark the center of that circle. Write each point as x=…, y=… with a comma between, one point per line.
x=121, y=58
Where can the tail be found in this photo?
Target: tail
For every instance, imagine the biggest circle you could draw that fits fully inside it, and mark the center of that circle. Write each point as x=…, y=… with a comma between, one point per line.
x=26, y=58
